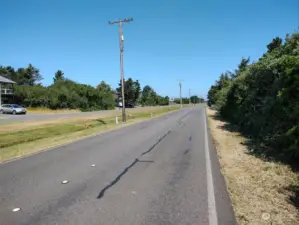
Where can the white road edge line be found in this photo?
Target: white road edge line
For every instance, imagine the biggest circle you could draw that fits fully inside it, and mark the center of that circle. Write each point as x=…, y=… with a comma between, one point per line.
x=210, y=184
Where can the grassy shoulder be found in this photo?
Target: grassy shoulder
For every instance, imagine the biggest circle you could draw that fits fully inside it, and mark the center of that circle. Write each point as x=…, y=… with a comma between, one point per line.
x=262, y=192
x=40, y=110
x=20, y=139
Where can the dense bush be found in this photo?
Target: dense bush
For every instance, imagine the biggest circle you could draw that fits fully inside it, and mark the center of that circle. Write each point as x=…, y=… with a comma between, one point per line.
x=149, y=97
x=65, y=93
x=263, y=98
x=193, y=100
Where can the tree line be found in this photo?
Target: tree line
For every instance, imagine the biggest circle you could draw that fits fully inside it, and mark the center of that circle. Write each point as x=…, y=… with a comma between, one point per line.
x=145, y=97
x=262, y=98
x=193, y=100
x=65, y=93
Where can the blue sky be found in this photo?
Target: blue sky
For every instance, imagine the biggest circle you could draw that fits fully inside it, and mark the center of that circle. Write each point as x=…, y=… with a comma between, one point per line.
x=168, y=40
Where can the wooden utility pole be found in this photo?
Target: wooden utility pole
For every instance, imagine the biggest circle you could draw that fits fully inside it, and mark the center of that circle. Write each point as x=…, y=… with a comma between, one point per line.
x=122, y=76
x=181, y=101
x=189, y=96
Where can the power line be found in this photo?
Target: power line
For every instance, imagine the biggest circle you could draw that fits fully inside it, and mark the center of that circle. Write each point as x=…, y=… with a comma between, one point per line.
x=121, y=48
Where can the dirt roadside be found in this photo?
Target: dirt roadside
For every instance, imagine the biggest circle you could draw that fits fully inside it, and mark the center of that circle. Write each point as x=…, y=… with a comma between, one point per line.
x=262, y=192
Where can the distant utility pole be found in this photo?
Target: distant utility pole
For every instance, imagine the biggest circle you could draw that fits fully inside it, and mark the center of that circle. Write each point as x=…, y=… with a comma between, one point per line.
x=122, y=76
x=181, y=101
x=189, y=96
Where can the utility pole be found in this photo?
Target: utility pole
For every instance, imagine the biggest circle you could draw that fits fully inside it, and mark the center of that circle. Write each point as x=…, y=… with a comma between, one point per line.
x=121, y=48
x=181, y=101
x=189, y=96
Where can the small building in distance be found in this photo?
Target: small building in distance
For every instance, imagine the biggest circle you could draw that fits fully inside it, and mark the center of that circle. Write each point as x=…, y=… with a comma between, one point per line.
x=6, y=90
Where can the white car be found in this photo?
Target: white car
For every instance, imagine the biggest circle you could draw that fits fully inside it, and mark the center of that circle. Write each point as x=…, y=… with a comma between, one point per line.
x=13, y=109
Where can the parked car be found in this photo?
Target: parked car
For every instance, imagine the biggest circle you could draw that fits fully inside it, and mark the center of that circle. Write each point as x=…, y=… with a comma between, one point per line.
x=127, y=105
x=130, y=105
x=13, y=109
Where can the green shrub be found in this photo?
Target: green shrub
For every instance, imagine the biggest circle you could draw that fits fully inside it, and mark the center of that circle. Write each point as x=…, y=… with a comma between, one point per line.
x=263, y=99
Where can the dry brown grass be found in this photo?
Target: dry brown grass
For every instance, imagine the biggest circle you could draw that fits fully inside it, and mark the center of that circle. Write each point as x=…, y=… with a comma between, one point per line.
x=50, y=111
x=256, y=187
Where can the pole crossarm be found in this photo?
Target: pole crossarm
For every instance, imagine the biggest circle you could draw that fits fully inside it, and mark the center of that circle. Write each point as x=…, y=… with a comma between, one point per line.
x=126, y=20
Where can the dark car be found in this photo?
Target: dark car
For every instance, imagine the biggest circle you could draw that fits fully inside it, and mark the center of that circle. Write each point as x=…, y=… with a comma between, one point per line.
x=129, y=105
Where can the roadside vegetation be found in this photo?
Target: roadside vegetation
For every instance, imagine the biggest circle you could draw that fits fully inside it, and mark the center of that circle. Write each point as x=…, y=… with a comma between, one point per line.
x=19, y=139
x=43, y=110
x=262, y=191
x=65, y=94
x=258, y=109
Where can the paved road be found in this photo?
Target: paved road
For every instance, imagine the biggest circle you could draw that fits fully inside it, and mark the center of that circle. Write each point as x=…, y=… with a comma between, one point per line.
x=6, y=118
x=154, y=172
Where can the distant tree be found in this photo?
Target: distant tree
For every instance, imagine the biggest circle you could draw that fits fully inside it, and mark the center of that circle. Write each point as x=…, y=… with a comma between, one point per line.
x=59, y=75
x=33, y=75
x=177, y=101
x=103, y=86
x=107, y=94
x=166, y=100
x=212, y=97
x=222, y=83
x=137, y=89
x=9, y=73
x=194, y=99
x=146, y=91
x=185, y=100
x=241, y=68
x=129, y=91
x=275, y=43
x=148, y=96
x=28, y=76
x=132, y=90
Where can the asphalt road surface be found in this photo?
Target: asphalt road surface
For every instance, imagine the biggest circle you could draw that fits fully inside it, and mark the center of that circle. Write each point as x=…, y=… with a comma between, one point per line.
x=6, y=118
x=161, y=171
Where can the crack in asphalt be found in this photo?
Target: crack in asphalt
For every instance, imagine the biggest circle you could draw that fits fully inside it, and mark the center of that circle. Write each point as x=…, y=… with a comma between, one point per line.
x=154, y=145
x=102, y=192
x=114, y=182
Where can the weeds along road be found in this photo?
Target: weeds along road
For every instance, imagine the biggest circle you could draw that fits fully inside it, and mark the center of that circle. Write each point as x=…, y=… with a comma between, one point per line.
x=160, y=171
